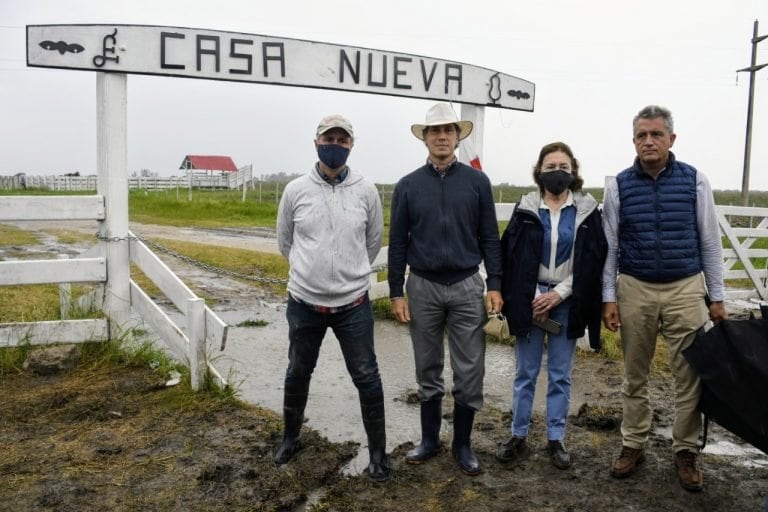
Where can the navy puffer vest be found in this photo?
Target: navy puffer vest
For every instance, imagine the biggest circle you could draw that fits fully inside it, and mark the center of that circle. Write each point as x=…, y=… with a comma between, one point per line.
x=658, y=238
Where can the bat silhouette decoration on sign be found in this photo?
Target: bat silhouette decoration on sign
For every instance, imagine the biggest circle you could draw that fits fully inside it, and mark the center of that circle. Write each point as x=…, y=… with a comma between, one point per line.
x=62, y=47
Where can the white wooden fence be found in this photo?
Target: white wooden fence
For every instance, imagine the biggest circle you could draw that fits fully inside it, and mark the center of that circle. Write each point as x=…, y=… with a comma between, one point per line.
x=201, y=327
x=109, y=263
x=193, y=179
x=741, y=260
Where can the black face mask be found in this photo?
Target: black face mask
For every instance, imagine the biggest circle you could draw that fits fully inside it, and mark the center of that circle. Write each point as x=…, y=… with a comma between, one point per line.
x=556, y=181
x=333, y=155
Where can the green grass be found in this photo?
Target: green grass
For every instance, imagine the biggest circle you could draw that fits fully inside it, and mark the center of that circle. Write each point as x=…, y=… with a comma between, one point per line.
x=253, y=323
x=70, y=237
x=35, y=303
x=242, y=261
x=44, y=192
x=11, y=235
x=206, y=209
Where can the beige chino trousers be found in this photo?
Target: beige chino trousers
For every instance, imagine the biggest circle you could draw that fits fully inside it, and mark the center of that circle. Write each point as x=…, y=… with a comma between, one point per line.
x=676, y=311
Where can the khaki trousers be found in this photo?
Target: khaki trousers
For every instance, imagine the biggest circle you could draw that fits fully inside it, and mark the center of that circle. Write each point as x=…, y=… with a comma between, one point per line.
x=676, y=311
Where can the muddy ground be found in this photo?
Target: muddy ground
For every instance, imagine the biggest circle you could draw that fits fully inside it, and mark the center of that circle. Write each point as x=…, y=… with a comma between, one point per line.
x=114, y=437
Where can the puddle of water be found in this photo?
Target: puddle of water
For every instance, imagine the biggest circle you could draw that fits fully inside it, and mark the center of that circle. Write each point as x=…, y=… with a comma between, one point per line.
x=717, y=444
x=749, y=455
x=258, y=356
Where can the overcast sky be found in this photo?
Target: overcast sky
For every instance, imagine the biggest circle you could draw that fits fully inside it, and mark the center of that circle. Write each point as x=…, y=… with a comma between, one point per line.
x=594, y=63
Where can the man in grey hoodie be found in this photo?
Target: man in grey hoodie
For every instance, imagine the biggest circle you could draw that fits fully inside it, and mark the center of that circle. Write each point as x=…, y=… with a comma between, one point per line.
x=329, y=228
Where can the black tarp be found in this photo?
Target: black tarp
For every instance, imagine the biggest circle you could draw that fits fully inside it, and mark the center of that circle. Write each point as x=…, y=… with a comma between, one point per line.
x=732, y=361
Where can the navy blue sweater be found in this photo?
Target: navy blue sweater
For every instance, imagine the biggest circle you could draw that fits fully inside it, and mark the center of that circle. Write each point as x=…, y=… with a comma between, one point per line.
x=443, y=227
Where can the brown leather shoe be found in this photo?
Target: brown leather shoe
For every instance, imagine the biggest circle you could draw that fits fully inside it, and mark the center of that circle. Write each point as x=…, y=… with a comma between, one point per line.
x=627, y=462
x=691, y=477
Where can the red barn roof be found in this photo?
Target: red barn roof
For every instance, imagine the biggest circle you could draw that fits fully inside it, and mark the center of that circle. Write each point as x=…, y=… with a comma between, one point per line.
x=209, y=163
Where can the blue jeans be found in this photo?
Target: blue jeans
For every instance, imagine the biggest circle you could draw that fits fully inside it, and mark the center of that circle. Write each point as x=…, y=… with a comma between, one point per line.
x=354, y=330
x=528, y=355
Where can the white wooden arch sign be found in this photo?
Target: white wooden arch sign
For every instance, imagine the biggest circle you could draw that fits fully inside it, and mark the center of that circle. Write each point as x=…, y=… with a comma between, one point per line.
x=241, y=57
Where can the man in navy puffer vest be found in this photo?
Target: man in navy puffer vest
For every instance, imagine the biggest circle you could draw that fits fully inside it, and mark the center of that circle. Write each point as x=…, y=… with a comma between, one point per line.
x=664, y=246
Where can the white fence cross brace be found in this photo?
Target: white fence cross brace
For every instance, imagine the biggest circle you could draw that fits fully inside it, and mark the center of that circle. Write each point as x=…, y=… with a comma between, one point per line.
x=741, y=240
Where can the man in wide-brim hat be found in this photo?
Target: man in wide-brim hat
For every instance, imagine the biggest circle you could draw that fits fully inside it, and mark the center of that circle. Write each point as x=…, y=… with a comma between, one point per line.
x=443, y=225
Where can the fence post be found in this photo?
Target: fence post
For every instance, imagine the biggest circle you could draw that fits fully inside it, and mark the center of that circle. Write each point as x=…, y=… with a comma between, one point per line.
x=112, y=160
x=196, y=333
x=65, y=294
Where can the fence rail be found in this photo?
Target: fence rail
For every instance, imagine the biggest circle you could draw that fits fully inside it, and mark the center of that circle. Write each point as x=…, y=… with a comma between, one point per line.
x=195, y=179
x=200, y=329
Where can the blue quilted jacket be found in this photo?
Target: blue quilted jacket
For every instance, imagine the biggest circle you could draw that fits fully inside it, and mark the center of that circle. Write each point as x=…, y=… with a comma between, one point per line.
x=658, y=239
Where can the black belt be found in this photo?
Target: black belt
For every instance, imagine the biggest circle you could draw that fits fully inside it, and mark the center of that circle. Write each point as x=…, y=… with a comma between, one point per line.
x=548, y=285
x=333, y=309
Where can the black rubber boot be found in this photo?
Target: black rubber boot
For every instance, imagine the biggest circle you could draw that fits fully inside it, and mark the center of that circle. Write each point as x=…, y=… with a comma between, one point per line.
x=431, y=417
x=294, y=402
x=372, y=408
x=463, y=418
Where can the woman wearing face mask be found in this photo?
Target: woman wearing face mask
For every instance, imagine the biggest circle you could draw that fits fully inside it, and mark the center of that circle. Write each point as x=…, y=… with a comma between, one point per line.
x=552, y=252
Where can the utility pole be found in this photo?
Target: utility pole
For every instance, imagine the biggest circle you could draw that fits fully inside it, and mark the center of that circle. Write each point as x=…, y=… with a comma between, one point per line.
x=753, y=68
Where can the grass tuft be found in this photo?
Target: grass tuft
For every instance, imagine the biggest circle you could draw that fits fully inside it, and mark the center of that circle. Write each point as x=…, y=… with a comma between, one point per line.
x=11, y=235
x=253, y=323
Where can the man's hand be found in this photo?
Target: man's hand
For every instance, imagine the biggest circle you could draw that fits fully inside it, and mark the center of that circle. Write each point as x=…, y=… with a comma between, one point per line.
x=611, y=316
x=717, y=312
x=399, y=309
x=493, y=302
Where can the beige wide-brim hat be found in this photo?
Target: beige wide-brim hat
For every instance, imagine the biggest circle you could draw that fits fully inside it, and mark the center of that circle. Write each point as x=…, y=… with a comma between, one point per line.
x=441, y=114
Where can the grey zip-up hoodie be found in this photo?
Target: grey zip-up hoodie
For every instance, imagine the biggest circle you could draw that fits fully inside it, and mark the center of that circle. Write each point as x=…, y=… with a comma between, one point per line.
x=329, y=234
